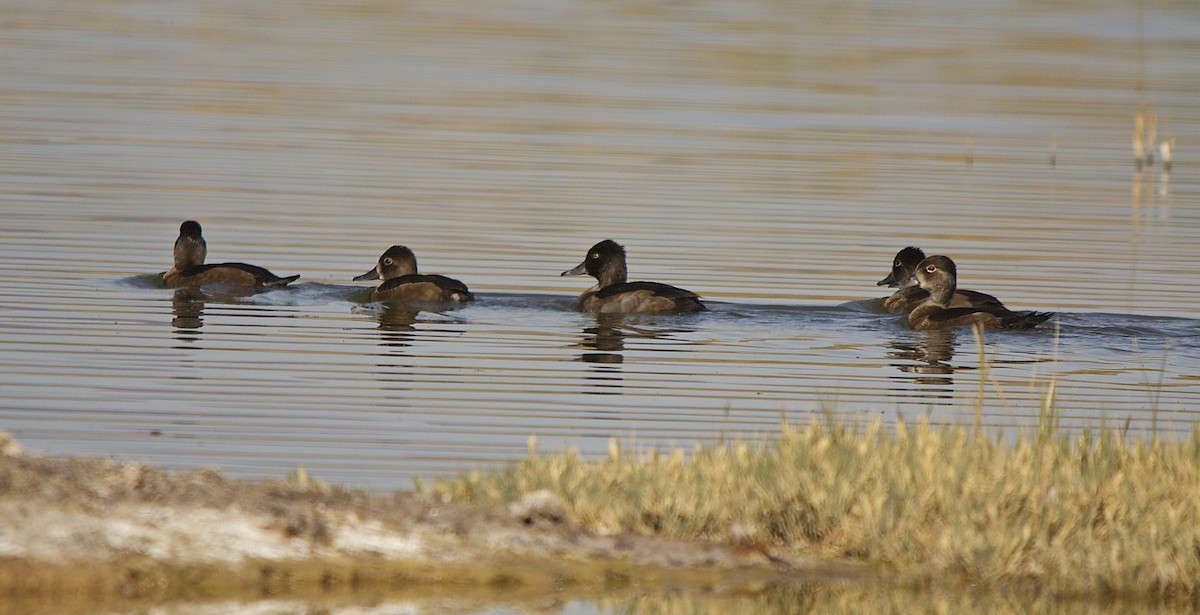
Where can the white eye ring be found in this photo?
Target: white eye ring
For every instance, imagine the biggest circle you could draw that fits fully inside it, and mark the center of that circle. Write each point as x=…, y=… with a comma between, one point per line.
x=595, y=255
x=930, y=268
x=388, y=261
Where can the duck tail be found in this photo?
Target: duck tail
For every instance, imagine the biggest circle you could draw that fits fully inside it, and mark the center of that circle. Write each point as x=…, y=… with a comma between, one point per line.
x=281, y=281
x=1026, y=320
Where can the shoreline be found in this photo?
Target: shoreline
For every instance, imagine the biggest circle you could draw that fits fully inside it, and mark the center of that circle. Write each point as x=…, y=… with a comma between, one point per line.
x=84, y=532
x=828, y=510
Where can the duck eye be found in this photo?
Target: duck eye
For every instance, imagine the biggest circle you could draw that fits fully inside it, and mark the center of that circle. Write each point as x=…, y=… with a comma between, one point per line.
x=930, y=268
x=388, y=261
x=897, y=263
x=595, y=255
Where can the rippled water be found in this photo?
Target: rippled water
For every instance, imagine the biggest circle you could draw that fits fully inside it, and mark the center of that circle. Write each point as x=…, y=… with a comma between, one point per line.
x=771, y=156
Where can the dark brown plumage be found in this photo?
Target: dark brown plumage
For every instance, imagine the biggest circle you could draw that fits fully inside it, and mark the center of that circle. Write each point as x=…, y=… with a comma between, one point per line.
x=939, y=276
x=189, y=268
x=605, y=261
x=910, y=295
x=397, y=266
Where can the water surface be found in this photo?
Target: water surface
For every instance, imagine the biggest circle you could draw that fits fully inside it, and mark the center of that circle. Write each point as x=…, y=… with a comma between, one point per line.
x=771, y=156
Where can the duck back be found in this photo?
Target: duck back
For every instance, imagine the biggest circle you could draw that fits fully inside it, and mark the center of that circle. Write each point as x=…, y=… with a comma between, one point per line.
x=930, y=316
x=419, y=287
x=647, y=297
x=907, y=299
x=230, y=274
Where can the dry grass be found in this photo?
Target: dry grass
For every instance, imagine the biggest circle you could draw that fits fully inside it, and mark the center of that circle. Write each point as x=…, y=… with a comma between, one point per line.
x=929, y=506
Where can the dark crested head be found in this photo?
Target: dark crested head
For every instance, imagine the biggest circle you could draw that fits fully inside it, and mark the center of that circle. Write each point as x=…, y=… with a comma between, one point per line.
x=909, y=257
x=190, y=247
x=604, y=251
x=903, y=268
x=396, y=261
x=605, y=261
x=191, y=228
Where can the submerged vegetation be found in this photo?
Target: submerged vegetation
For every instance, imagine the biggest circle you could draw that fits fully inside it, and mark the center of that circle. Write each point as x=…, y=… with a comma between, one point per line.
x=1055, y=515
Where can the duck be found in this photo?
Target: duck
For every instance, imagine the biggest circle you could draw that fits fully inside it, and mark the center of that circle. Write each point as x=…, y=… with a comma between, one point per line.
x=605, y=261
x=189, y=269
x=397, y=267
x=910, y=294
x=939, y=276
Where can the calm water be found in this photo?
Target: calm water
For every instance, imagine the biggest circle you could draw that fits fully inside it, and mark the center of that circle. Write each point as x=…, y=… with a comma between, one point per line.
x=771, y=156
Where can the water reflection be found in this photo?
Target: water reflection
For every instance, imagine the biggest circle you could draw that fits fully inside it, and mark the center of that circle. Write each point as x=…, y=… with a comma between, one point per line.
x=821, y=595
x=855, y=597
x=927, y=356
x=394, y=369
x=187, y=314
x=188, y=306
x=1151, y=192
x=396, y=322
x=603, y=344
x=403, y=329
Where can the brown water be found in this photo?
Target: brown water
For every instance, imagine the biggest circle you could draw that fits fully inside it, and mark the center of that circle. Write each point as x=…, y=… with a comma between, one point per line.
x=771, y=156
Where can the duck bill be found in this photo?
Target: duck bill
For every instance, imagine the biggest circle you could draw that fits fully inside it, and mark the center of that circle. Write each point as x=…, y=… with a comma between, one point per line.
x=889, y=281
x=580, y=270
x=370, y=275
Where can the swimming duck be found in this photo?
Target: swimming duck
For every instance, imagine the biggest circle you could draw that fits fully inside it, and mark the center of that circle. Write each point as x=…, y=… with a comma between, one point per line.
x=190, y=270
x=939, y=276
x=910, y=295
x=401, y=282
x=606, y=262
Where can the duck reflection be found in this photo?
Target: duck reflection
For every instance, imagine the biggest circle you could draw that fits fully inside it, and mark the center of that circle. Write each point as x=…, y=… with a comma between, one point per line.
x=927, y=356
x=187, y=314
x=395, y=366
x=188, y=305
x=603, y=342
x=603, y=345
x=396, y=322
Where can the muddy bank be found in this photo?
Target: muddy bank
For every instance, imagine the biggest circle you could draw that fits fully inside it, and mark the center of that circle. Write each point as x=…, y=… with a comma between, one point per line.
x=86, y=532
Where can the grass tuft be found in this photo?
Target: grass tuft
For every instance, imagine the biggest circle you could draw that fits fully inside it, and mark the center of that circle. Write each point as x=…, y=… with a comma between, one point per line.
x=1091, y=515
